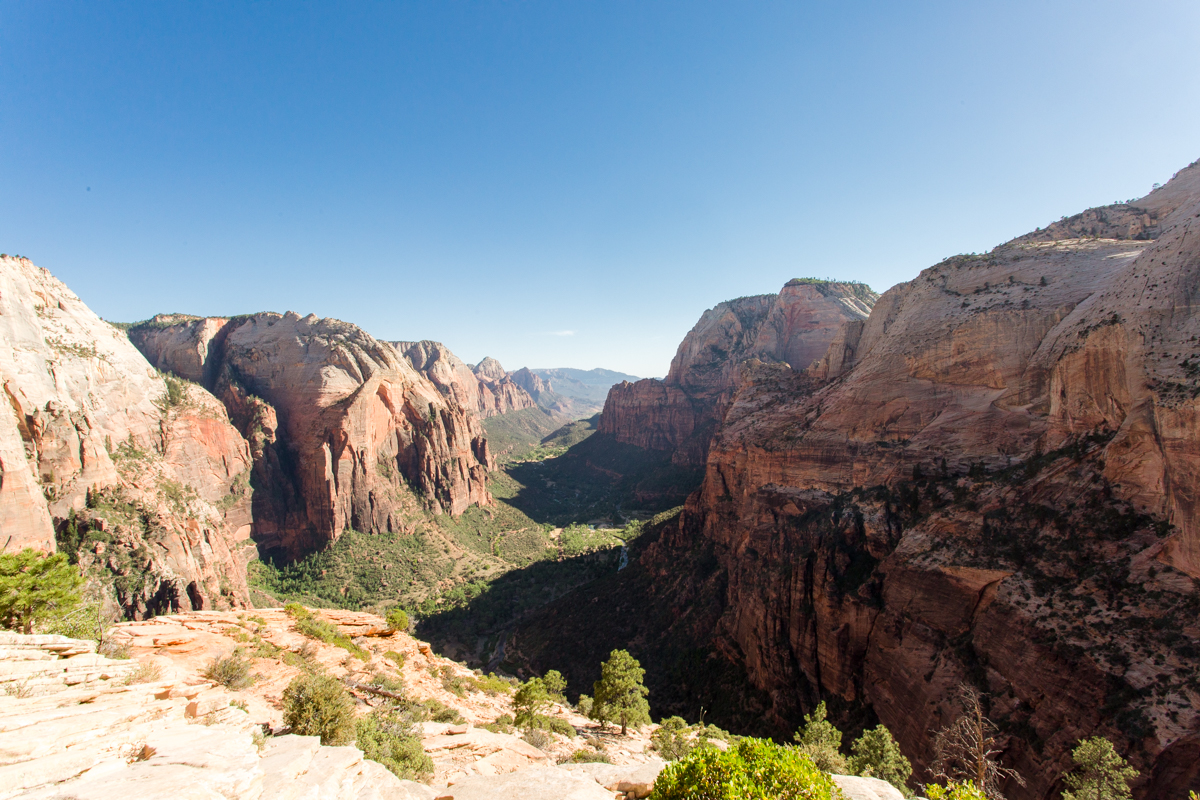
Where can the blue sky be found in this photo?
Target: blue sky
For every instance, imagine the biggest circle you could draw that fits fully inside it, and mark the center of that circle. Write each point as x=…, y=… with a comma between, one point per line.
x=563, y=184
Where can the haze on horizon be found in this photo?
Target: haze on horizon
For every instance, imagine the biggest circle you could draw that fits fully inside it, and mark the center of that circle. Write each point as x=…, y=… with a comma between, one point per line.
x=563, y=185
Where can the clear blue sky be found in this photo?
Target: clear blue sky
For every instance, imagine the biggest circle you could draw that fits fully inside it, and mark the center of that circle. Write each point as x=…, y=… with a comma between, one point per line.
x=569, y=183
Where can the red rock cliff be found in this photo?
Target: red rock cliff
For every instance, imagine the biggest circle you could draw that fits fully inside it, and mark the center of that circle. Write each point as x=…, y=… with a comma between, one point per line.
x=681, y=412
x=340, y=424
x=992, y=480
x=97, y=447
x=487, y=392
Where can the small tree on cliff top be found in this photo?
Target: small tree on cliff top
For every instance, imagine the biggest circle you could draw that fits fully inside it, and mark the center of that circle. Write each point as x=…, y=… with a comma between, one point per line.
x=821, y=741
x=619, y=695
x=1100, y=773
x=34, y=586
x=966, y=750
x=877, y=755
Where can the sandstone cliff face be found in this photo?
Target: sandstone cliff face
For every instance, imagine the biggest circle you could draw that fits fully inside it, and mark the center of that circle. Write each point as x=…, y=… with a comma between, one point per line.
x=487, y=390
x=341, y=426
x=990, y=480
x=150, y=475
x=681, y=412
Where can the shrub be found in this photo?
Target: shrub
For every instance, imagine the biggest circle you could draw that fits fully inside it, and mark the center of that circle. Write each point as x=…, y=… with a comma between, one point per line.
x=538, y=738
x=397, y=619
x=955, y=791
x=388, y=736
x=586, y=756
x=671, y=740
x=231, y=671
x=312, y=626
x=559, y=725
x=584, y=706
x=493, y=685
x=755, y=768
x=35, y=586
x=440, y=712
x=145, y=673
x=318, y=705
x=502, y=724
x=395, y=658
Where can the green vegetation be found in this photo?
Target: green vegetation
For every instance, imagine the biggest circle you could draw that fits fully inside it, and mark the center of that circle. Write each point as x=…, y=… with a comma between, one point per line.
x=954, y=791
x=35, y=587
x=535, y=696
x=397, y=619
x=389, y=736
x=313, y=627
x=620, y=695
x=318, y=705
x=671, y=739
x=1100, y=773
x=821, y=741
x=877, y=755
x=514, y=435
x=755, y=768
x=231, y=671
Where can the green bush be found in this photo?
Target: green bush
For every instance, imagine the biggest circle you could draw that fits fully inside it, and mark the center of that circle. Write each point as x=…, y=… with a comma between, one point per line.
x=586, y=756
x=35, y=587
x=755, y=768
x=821, y=741
x=395, y=658
x=397, y=619
x=312, y=626
x=231, y=671
x=440, y=712
x=955, y=791
x=877, y=755
x=671, y=739
x=388, y=735
x=502, y=724
x=318, y=705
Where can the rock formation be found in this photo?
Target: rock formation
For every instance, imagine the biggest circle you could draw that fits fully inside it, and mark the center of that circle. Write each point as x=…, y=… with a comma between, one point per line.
x=681, y=412
x=990, y=480
x=97, y=447
x=487, y=390
x=340, y=425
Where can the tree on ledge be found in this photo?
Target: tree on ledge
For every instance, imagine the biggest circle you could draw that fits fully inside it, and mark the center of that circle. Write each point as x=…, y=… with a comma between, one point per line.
x=619, y=695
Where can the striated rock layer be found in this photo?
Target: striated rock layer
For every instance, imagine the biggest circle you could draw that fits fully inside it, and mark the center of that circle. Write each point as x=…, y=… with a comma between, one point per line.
x=96, y=447
x=990, y=480
x=1029, y=418
x=681, y=412
x=340, y=424
x=487, y=390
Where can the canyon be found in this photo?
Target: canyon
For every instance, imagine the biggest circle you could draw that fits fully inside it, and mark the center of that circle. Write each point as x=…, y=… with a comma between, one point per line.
x=988, y=480
x=986, y=475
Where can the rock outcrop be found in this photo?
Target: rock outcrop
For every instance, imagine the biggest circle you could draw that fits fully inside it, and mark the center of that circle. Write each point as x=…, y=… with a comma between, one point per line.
x=98, y=449
x=487, y=390
x=990, y=481
x=341, y=425
x=681, y=412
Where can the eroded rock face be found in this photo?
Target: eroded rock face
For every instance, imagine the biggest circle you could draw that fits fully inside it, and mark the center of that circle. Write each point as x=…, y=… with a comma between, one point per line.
x=991, y=480
x=487, y=390
x=342, y=427
x=681, y=412
x=151, y=477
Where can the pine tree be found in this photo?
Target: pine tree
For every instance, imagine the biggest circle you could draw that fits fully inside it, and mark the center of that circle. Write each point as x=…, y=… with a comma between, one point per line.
x=877, y=755
x=619, y=695
x=529, y=702
x=1100, y=773
x=34, y=586
x=821, y=741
